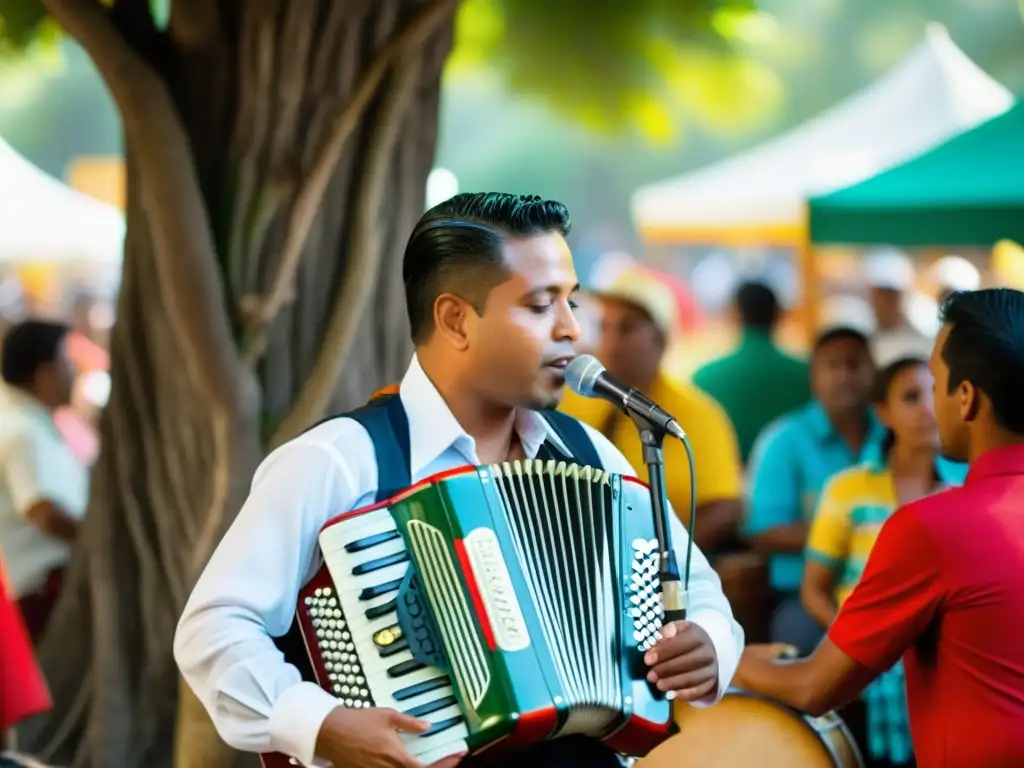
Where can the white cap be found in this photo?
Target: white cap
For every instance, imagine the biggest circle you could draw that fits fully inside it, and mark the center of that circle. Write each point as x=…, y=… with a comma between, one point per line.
x=956, y=273
x=846, y=312
x=889, y=268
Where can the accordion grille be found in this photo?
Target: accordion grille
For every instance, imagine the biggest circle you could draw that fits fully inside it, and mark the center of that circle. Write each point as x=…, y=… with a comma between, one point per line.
x=562, y=521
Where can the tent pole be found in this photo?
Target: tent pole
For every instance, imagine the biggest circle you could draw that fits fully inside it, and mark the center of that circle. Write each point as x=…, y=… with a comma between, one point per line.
x=809, y=281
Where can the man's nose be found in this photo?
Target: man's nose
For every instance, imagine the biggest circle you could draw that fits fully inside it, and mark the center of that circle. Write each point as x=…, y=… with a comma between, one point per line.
x=567, y=327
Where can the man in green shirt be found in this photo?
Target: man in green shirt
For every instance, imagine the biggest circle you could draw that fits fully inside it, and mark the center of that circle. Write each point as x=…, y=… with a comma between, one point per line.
x=757, y=382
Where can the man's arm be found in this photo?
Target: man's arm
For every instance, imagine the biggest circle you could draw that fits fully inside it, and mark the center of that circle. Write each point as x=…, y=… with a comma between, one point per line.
x=707, y=606
x=247, y=594
x=898, y=597
x=774, y=521
x=34, y=488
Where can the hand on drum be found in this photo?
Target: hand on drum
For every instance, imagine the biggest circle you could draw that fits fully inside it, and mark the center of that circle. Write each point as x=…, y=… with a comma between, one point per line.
x=684, y=663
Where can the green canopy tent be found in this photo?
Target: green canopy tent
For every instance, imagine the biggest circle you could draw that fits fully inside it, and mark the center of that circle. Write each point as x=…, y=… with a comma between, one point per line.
x=968, y=191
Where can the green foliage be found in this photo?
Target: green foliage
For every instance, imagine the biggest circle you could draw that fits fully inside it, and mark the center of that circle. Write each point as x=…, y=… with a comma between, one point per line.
x=614, y=66
x=21, y=22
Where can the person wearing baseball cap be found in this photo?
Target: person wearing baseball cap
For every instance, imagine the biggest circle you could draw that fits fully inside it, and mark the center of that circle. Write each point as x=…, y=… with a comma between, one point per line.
x=639, y=317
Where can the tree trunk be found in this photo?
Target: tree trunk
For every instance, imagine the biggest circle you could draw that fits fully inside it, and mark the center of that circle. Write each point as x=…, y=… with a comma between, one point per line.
x=259, y=88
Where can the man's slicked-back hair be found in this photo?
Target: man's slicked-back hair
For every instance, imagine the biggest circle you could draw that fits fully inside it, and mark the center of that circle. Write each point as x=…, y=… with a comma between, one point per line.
x=457, y=248
x=985, y=346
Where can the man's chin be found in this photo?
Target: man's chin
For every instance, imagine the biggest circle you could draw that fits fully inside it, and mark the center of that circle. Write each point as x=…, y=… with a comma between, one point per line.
x=546, y=401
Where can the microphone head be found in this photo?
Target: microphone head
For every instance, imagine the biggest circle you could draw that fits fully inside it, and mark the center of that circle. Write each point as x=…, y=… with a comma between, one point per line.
x=582, y=374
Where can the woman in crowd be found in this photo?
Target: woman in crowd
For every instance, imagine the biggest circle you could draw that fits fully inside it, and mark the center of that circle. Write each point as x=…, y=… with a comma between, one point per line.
x=850, y=514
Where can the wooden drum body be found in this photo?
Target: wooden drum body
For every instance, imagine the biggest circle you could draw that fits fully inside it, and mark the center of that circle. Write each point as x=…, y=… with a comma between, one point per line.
x=745, y=730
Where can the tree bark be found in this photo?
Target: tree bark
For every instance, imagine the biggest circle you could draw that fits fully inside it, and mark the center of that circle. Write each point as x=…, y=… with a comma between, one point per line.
x=257, y=89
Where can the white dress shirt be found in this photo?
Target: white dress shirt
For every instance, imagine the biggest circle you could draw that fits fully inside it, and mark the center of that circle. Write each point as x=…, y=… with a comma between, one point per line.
x=248, y=591
x=36, y=464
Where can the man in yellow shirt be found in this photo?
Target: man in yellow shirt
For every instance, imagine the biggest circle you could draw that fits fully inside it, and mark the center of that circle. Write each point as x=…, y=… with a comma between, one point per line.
x=638, y=318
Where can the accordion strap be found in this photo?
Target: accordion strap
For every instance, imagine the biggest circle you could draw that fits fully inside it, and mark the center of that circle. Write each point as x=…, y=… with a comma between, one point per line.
x=384, y=419
x=575, y=438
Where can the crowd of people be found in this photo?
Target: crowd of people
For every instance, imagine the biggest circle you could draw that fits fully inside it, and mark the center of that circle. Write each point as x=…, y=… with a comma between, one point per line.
x=832, y=473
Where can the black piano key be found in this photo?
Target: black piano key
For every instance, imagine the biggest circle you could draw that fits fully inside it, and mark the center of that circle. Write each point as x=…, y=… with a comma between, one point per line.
x=405, y=668
x=395, y=647
x=425, y=687
x=431, y=706
x=444, y=725
x=382, y=610
x=380, y=589
x=381, y=562
x=371, y=541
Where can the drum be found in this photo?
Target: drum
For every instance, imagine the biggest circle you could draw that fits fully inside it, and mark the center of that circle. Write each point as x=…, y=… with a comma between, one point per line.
x=744, y=729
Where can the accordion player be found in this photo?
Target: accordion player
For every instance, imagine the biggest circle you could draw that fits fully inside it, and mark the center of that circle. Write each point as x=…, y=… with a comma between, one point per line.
x=506, y=604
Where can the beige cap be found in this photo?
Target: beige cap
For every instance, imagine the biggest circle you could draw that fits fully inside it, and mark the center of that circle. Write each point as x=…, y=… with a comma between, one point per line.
x=644, y=290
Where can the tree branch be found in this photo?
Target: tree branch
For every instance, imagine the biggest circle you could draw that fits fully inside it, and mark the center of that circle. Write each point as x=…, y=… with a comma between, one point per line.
x=193, y=22
x=428, y=17
x=184, y=250
x=365, y=254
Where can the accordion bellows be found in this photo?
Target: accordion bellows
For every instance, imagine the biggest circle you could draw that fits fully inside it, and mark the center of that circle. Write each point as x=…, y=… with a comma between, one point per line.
x=506, y=604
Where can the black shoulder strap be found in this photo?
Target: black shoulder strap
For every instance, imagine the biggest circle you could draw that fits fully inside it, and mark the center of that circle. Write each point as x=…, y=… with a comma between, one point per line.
x=385, y=421
x=571, y=432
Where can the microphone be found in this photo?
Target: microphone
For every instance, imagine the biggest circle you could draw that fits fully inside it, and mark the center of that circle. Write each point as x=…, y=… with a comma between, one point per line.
x=586, y=376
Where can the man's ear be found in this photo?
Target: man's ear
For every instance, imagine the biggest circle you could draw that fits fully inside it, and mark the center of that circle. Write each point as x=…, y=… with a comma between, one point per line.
x=970, y=401
x=451, y=314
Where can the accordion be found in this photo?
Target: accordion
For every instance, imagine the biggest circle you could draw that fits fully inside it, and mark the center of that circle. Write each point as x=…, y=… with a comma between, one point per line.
x=506, y=605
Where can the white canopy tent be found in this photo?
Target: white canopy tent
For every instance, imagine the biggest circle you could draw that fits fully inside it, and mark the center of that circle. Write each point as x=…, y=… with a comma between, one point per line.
x=43, y=220
x=759, y=196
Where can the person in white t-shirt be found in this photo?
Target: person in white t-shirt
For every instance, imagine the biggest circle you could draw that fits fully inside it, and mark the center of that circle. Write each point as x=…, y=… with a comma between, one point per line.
x=43, y=487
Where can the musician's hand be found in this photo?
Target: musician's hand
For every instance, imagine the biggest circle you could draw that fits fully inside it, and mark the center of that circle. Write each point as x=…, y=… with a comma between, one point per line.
x=368, y=738
x=683, y=663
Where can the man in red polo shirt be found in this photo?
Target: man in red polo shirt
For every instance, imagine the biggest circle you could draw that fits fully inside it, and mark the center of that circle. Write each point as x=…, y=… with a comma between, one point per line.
x=944, y=585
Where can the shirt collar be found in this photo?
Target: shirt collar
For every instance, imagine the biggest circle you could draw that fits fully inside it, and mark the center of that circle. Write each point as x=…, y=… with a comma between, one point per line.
x=27, y=404
x=753, y=337
x=822, y=428
x=999, y=461
x=433, y=429
x=947, y=472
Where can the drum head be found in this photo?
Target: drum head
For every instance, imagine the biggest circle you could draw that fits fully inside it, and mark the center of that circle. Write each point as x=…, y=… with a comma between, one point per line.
x=743, y=731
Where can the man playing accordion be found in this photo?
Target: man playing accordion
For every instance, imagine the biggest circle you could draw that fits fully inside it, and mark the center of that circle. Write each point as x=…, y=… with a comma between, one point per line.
x=490, y=287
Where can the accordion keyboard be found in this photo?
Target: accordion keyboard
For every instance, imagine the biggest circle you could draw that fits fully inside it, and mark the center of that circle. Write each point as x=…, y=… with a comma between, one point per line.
x=367, y=560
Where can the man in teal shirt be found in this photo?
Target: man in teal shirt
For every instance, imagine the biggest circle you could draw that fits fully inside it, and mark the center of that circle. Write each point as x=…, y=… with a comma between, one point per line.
x=796, y=456
x=757, y=382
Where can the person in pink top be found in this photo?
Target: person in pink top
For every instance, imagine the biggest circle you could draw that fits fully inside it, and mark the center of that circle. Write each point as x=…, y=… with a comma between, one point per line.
x=23, y=692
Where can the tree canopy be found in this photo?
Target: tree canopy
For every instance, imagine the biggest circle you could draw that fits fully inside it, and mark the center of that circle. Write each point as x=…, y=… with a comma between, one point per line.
x=611, y=66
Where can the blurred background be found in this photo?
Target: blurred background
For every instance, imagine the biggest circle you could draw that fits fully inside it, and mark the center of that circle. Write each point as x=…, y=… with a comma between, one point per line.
x=859, y=158
x=706, y=178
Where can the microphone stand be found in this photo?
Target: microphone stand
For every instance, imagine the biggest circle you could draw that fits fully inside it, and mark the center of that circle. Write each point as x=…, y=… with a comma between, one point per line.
x=673, y=596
